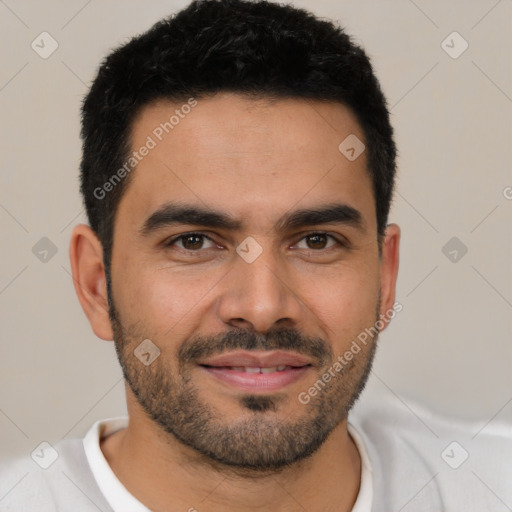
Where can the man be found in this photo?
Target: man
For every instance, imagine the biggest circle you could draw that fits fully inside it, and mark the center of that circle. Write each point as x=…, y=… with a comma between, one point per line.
x=238, y=168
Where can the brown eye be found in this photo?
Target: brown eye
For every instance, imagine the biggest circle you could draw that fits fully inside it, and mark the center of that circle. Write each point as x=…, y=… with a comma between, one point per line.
x=318, y=241
x=191, y=241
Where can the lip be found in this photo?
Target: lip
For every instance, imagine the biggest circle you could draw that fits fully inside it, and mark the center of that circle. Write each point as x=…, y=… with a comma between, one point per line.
x=257, y=359
x=224, y=368
x=254, y=382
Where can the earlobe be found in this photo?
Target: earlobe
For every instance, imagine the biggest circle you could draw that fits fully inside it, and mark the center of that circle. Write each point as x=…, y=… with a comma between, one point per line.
x=88, y=270
x=389, y=271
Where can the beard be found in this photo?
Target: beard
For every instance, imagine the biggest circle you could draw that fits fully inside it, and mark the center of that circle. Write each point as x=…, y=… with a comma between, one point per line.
x=261, y=440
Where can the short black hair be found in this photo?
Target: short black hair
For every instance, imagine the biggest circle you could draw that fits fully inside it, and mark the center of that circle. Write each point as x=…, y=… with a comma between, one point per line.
x=256, y=48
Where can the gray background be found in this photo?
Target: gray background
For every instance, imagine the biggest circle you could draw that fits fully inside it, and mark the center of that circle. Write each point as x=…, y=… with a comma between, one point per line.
x=449, y=349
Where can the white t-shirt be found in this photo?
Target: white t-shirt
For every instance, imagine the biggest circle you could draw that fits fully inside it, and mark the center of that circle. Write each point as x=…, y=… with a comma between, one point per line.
x=412, y=461
x=120, y=499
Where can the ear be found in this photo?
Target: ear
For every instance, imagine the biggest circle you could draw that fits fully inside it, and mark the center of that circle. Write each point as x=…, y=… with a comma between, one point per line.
x=86, y=256
x=389, y=271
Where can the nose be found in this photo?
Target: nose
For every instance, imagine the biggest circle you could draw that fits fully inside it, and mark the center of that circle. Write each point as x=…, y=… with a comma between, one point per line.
x=260, y=295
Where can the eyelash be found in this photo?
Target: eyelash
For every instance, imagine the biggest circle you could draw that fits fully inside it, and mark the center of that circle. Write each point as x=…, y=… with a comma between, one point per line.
x=172, y=241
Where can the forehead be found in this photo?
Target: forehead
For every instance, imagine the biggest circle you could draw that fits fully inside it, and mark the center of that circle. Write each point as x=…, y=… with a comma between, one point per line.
x=254, y=157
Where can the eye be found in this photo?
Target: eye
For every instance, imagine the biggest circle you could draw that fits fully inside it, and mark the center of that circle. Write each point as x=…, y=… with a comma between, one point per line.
x=319, y=241
x=191, y=241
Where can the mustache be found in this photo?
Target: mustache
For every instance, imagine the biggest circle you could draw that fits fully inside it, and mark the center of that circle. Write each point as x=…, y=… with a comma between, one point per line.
x=201, y=347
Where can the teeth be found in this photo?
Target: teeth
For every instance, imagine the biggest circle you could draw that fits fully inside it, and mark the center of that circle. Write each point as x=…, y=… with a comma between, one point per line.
x=249, y=369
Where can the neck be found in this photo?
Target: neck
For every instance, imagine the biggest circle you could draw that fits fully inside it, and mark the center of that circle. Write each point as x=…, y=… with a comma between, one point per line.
x=163, y=474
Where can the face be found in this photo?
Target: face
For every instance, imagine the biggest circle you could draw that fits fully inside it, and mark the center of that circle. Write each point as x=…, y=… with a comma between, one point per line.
x=245, y=249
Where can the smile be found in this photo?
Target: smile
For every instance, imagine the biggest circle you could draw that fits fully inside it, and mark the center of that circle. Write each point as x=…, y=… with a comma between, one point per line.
x=256, y=378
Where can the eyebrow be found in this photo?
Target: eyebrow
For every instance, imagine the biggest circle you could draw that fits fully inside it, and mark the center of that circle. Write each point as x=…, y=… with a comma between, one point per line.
x=178, y=213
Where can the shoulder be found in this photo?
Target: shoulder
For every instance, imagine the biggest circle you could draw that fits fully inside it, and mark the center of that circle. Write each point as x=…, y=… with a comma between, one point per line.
x=419, y=456
x=52, y=478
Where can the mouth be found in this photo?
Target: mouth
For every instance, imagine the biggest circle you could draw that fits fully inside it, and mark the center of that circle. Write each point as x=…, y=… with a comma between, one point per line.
x=250, y=371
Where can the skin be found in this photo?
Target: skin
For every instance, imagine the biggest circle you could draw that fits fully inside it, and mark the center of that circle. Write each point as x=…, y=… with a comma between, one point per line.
x=255, y=160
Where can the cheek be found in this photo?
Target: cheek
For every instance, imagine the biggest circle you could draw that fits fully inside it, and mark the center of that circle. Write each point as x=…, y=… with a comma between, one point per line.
x=345, y=304
x=163, y=300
